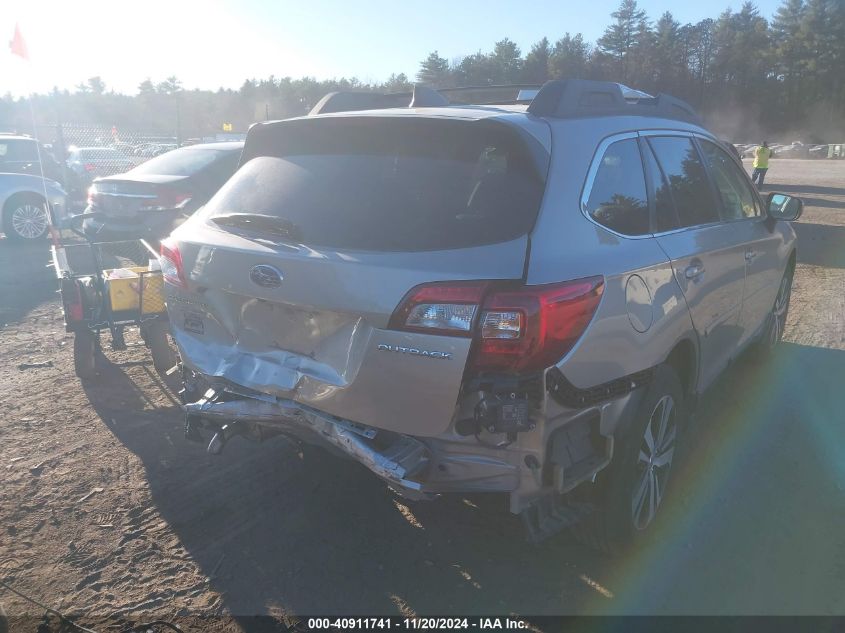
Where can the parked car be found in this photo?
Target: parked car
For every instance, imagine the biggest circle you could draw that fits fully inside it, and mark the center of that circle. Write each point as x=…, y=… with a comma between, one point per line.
x=818, y=151
x=152, y=199
x=87, y=163
x=24, y=212
x=482, y=298
x=20, y=155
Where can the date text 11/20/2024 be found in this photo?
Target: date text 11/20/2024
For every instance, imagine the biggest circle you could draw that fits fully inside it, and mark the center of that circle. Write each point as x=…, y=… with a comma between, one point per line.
x=418, y=624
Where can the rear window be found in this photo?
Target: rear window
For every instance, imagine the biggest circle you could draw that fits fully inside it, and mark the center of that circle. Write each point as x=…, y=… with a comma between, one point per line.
x=391, y=184
x=181, y=162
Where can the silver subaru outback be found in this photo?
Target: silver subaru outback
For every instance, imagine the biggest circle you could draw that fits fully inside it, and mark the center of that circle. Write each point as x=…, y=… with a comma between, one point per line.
x=524, y=299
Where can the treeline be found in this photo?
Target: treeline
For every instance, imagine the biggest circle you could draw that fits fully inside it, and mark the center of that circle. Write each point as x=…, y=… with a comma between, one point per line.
x=749, y=76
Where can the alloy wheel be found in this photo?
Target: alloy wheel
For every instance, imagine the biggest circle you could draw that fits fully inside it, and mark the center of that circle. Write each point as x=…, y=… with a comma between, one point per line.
x=779, y=311
x=29, y=221
x=657, y=449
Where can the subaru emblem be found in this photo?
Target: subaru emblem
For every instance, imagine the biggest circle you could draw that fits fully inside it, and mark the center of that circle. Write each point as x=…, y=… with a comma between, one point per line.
x=266, y=276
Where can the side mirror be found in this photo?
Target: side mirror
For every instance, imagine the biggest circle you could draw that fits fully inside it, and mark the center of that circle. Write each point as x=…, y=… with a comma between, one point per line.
x=780, y=206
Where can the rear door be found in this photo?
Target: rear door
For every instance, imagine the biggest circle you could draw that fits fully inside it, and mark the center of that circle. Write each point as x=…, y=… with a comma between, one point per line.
x=742, y=208
x=296, y=266
x=707, y=255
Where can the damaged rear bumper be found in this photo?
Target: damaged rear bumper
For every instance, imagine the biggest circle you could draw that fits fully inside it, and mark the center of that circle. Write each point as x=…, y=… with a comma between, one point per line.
x=398, y=459
x=569, y=443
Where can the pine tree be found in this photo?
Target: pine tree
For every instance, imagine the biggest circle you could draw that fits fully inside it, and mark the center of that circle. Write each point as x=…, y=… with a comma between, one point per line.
x=535, y=69
x=434, y=71
x=569, y=58
x=623, y=37
x=506, y=62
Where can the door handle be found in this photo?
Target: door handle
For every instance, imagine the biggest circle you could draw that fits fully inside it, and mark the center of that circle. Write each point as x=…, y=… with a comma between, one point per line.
x=750, y=255
x=694, y=271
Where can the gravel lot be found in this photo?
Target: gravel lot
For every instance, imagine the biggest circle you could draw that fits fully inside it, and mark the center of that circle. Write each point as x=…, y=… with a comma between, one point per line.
x=108, y=513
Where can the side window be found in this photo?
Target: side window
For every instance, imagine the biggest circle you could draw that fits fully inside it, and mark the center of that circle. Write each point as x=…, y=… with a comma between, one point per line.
x=687, y=179
x=23, y=151
x=737, y=199
x=665, y=216
x=618, y=198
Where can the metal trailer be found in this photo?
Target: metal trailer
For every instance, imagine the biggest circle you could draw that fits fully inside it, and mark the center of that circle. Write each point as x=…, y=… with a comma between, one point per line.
x=96, y=299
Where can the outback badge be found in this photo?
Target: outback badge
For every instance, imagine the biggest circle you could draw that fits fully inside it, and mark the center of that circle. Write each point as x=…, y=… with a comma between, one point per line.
x=384, y=347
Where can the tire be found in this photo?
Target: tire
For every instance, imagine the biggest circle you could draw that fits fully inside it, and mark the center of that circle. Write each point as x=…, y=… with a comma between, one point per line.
x=156, y=337
x=764, y=348
x=25, y=218
x=623, y=491
x=85, y=350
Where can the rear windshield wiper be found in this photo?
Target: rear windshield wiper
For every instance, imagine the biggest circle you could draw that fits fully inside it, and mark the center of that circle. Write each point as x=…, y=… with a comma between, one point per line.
x=260, y=223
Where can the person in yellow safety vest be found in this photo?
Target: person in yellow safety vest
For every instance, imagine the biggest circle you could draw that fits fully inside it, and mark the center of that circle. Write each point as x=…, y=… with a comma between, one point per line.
x=761, y=163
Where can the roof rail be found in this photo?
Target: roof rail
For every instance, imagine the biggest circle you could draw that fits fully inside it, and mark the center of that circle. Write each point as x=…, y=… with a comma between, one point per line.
x=572, y=98
x=499, y=94
x=425, y=97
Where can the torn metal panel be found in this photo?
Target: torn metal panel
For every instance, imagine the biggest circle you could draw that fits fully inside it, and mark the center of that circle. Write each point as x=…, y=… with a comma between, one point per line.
x=402, y=458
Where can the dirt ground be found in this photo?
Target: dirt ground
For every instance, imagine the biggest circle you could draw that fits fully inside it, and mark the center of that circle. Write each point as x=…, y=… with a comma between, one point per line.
x=107, y=512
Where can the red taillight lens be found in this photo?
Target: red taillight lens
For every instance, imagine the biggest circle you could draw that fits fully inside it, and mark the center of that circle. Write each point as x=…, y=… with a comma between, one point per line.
x=74, y=310
x=440, y=308
x=171, y=264
x=532, y=327
x=517, y=328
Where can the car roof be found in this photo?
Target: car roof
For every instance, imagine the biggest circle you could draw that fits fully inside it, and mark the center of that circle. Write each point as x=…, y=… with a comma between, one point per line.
x=456, y=111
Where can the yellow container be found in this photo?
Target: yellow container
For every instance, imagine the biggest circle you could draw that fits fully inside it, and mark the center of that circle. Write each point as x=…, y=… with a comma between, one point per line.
x=125, y=294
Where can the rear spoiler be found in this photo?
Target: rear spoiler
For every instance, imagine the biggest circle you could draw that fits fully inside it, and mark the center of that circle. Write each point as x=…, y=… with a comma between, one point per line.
x=561, y=98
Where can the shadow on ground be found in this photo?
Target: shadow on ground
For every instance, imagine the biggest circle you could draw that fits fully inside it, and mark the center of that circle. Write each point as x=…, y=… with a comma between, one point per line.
x=753, y=526
x=35, y=284
x=820, y=244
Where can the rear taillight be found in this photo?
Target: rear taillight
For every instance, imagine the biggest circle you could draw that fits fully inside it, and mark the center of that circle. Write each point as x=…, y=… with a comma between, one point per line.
x=440, y=308
x=516, y=328
x=171, y=264
x=532, y=327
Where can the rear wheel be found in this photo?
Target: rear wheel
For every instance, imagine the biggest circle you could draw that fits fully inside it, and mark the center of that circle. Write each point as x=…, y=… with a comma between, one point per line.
x=25, y=218
x=85, y=349
x=630, y=492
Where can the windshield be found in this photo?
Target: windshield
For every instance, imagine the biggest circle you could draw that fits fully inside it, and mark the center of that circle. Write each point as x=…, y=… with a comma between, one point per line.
x=391, y=184
x=180, y=162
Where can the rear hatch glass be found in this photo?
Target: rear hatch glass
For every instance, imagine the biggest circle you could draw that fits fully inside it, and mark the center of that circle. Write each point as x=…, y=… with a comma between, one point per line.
x=386, y=184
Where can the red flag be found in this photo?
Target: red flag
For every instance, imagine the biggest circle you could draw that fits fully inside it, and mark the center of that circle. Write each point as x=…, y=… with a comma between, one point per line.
x=18, y=45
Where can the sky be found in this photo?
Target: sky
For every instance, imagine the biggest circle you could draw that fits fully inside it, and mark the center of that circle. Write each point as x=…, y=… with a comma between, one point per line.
x=214, y=43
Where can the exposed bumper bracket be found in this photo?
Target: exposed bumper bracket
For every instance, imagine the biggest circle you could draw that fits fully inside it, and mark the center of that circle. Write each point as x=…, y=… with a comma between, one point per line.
x=395, y=458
